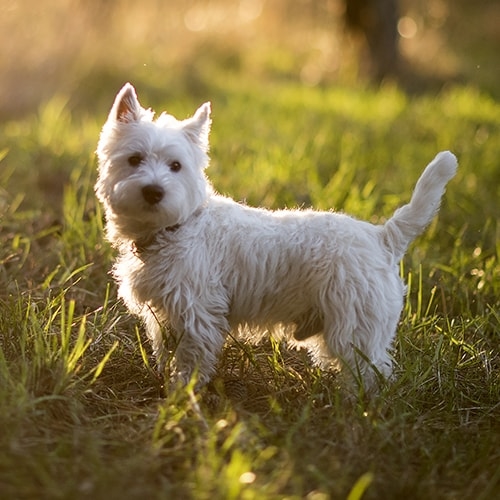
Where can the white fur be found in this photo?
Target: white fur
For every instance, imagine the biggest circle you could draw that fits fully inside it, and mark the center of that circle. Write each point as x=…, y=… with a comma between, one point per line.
x=198, y=265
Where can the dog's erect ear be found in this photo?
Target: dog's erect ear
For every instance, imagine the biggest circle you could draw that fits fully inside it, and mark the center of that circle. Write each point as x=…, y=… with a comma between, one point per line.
x=197, y=128
x=126, y=107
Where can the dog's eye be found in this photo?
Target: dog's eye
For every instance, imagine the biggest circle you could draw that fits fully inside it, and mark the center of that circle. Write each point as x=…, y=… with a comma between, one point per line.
x=135, y=160
x=175, y=166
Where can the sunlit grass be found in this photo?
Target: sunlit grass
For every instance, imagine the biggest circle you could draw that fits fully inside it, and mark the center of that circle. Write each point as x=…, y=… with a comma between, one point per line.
x=82, y=410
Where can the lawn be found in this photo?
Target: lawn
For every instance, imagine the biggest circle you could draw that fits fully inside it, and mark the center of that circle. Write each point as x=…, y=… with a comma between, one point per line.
x=83, y=413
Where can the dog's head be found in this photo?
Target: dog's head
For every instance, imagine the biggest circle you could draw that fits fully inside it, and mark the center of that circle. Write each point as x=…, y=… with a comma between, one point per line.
x=151, y=171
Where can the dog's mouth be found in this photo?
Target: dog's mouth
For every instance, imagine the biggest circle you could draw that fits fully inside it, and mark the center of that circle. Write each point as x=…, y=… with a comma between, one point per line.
x=140, y=217
x=154, y=209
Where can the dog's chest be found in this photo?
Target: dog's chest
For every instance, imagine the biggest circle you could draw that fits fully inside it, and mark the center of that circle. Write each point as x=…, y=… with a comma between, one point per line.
x=143, y=277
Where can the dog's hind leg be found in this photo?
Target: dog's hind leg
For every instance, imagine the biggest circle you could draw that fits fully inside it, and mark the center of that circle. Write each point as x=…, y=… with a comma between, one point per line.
x=361, y=340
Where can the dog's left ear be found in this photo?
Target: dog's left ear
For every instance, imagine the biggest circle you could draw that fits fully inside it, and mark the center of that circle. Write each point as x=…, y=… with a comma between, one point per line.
x=126, y=107
x=197, y=128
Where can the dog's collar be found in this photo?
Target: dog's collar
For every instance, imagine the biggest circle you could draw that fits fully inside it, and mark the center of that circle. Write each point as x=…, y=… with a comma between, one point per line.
x=141, y=245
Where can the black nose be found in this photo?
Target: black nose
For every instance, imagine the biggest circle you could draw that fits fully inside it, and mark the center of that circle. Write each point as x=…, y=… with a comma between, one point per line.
x=152, y=194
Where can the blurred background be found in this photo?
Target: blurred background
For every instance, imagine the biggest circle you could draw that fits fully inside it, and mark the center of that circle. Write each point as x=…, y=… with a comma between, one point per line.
x=86, y=49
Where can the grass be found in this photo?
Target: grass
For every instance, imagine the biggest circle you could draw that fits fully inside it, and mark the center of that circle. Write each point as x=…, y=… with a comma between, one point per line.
x=82, y=412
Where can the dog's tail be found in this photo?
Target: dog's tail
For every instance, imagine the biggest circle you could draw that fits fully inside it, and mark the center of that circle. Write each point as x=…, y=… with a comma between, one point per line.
x=410, y=220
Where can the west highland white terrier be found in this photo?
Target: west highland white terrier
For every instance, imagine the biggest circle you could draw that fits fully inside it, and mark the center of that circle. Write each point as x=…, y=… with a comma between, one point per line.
x=195, y=265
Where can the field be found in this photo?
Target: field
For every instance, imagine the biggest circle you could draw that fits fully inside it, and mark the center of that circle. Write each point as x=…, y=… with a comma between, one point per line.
x=83, y=413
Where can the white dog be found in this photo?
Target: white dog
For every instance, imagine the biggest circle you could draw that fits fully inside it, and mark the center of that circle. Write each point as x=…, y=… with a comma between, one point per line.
x=196, y=265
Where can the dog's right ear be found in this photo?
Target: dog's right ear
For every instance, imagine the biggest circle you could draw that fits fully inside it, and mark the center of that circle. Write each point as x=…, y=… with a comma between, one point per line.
x=126, y=107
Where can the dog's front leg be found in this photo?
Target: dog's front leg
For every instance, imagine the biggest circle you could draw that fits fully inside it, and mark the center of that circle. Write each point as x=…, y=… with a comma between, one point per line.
x=198, y=349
